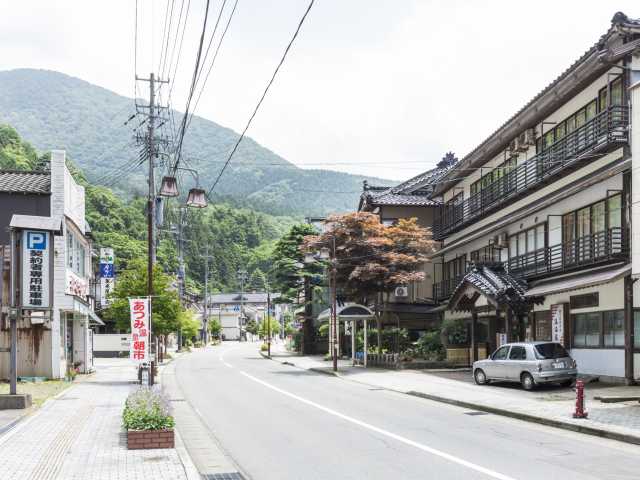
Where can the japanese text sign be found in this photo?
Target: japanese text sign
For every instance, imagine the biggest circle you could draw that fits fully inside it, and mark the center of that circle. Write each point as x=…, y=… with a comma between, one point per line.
x=139, y=350
x=35, y=269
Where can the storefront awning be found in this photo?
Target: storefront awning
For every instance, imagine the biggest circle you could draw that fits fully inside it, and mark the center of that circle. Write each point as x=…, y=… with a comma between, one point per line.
x=582, y=281
x=95, y=319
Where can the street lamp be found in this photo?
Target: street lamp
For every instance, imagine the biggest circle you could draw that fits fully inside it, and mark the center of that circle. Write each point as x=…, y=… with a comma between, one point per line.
x=324, y=254
x=195, y=198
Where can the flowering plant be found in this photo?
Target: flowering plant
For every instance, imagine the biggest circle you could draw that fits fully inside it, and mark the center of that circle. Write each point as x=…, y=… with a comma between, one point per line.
x=147, y=409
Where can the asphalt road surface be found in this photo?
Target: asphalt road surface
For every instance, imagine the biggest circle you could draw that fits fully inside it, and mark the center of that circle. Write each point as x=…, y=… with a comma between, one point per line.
x=282, y=422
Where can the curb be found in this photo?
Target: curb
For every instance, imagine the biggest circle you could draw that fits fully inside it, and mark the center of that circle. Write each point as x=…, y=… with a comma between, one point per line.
x=587, y=430
x=595, y=431
x=190, y=468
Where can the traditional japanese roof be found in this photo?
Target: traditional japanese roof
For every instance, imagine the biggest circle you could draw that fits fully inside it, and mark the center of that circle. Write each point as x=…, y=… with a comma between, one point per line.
x=594, y=62
x=493, y=282
x=415, y=192
x=12, y=181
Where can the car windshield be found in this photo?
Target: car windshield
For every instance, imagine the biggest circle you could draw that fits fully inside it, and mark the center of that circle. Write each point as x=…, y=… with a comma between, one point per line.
x=545, y=351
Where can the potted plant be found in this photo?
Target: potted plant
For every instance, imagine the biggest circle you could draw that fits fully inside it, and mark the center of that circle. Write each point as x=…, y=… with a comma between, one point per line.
x=147, y=419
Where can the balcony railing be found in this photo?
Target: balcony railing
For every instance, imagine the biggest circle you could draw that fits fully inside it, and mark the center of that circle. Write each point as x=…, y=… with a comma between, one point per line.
x=444, y=288
x=600, y=134
x=601, y=247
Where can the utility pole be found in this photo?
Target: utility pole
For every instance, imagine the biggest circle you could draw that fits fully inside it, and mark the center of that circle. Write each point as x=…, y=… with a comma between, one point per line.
x=181, y=269
x=150, y=142
x=334, y=307
x=242, y=277
x=268, y=321
x=205, y=309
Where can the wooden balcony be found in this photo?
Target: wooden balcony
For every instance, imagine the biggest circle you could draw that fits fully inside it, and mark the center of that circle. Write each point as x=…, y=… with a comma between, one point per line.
x=603, y=133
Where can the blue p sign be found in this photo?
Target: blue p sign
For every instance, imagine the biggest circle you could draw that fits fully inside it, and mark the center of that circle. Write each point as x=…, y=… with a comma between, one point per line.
x=36, y=240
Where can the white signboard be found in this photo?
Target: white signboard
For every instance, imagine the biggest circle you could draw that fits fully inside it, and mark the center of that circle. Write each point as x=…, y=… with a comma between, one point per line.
x=557, y=324
x=35, y=269
x=106, y=255
x=76, y=285
x=139, y=350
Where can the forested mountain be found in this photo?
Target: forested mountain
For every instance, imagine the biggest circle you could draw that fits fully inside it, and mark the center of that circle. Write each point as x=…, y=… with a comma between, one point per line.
x=233, y=237
x=54, y=110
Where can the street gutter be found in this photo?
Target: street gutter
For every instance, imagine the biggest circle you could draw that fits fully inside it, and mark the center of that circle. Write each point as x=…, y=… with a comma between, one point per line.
x=585, y=429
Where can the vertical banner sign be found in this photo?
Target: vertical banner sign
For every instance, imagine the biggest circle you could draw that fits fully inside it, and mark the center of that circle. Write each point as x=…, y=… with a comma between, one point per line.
x=139, y=350
x=107, y=275
x=557, y=324
x=35, y=269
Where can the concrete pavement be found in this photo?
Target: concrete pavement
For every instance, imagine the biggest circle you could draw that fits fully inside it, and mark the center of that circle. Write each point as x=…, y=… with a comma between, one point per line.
x=280, y=422
x=79, y=435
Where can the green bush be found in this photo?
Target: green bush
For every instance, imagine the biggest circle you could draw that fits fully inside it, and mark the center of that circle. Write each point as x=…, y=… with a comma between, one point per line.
x=147, y=409
x=429, y=346
x=455, y=331
x=393, y=339
x=264, y=347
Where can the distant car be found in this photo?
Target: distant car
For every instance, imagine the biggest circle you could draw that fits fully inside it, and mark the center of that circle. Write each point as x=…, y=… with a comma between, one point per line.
x=529, y=363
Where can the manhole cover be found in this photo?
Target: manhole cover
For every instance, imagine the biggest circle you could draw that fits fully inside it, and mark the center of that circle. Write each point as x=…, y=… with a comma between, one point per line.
x=475, y=413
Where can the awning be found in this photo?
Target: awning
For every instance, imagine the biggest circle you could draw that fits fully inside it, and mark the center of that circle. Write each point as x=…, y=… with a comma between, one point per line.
x=582, y=281
x=25, y=222
x=494, y=283
x=348, y=311
x=93, y=318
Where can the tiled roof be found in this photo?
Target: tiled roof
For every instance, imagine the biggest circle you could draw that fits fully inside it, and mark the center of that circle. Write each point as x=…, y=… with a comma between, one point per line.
x=25, y=182
x=414, y=192
x=496, y=284
x=246, y=297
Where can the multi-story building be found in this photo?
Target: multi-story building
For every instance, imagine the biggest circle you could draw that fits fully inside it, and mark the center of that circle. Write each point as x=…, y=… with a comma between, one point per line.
x=411, y=306
x=49, y=346
x=535, y=223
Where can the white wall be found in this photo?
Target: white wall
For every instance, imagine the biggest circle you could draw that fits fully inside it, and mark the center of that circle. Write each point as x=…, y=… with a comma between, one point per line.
x=599, y=361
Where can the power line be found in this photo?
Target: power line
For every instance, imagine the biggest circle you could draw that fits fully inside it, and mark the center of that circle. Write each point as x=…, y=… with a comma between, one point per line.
x=264, y=94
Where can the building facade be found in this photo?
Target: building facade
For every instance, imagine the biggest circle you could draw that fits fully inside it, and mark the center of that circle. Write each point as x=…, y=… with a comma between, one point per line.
x=64, y=339
x=535, y=224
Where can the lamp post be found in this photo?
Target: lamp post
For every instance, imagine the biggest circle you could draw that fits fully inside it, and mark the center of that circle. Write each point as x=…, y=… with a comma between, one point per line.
x=324, y=254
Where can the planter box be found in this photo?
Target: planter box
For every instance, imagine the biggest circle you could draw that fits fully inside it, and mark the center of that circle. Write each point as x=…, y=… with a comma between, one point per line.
x=145, y=439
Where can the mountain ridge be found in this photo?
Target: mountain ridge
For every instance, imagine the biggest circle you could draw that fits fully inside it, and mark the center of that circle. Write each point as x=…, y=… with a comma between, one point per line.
x=55, y=110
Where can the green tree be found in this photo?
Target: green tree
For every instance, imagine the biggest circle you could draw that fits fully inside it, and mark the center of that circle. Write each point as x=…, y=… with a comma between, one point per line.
x=252, y=327
x=269, y=325
x=215, y=328
x=189, y=326
x=133, y=283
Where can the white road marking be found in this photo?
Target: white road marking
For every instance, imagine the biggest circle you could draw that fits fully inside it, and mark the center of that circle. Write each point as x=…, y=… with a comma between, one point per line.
x=368, y=426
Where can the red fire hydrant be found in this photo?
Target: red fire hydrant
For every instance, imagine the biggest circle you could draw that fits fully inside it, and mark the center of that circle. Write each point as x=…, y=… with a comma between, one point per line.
x=580, y=412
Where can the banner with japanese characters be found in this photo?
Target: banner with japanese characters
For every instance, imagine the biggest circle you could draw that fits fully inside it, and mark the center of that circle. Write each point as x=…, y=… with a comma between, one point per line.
x=35, y=269
x=107, y=276
x=139, y=350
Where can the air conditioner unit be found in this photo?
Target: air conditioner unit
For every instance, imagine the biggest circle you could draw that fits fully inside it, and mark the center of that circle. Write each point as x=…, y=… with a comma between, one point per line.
x=402, y=292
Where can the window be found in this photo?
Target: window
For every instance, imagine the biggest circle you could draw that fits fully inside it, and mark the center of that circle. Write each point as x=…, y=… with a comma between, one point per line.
x=636, y=329
x=518, y=353
x=587, y=329
x=543, y=325
x=75, y=254
x=584, y=301
x=501, y=353
x=486, y=254
x=547, y=351
x=614, y=328
x=454, y=268
x=528, y=241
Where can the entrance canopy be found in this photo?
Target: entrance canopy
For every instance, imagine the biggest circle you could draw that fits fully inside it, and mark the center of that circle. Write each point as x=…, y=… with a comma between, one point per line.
x=348, y=311
x=497, y=286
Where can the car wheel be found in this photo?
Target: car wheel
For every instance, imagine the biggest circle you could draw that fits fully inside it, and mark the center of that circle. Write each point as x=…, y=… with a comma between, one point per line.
x=480, y=377
x=527, y=381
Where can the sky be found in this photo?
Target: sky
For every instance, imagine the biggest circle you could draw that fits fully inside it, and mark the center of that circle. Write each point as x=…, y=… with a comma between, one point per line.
x=373, y=87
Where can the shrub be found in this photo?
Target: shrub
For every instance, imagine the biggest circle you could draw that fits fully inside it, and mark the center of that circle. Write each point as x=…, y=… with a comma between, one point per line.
x=264, y=347
x=430, y=347
x=147, y=409
x=455, y=331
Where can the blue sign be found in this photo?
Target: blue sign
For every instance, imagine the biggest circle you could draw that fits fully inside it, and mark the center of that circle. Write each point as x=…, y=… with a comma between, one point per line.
x=37, y=240
x=106, y=270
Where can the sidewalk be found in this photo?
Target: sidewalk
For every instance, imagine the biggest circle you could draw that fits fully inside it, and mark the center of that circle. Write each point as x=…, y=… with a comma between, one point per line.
x=619, y=421
x=78, y=435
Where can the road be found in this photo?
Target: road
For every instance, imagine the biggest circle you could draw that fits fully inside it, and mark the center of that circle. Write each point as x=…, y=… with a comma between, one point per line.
x=281, y=422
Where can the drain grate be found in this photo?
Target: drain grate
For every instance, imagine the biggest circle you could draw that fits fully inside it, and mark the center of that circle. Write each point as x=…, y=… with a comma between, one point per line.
x=475, y=413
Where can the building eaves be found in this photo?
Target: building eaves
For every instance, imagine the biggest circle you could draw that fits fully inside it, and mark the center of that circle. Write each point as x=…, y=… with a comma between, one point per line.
x=12, y=181
x=594, y=57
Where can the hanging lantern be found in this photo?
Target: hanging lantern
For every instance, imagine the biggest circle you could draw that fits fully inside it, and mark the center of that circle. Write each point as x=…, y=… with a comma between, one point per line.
x=169, y=187
x=196, y=198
